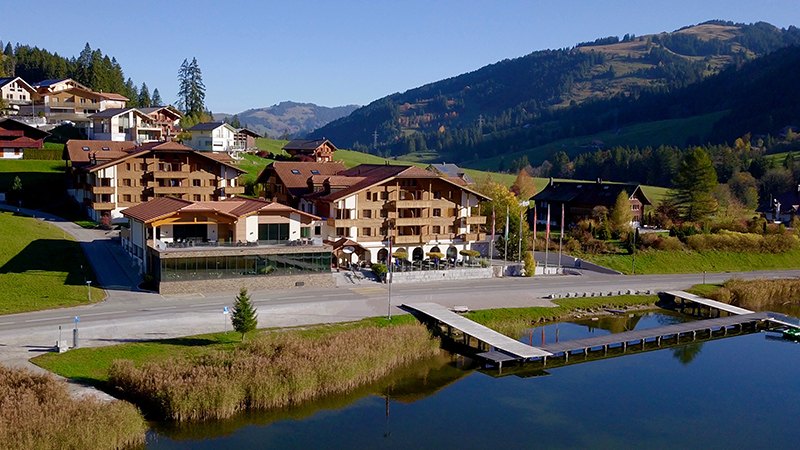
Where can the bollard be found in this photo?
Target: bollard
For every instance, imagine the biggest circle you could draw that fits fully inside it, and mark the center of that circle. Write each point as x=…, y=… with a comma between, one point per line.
x=75, y=337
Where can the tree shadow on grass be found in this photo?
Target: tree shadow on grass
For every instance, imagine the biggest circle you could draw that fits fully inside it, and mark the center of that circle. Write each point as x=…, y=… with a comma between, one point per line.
x=51, y=255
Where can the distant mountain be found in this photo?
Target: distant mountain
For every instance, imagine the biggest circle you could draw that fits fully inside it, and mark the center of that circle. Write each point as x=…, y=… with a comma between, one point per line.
x=295, y=118
x=522, y=103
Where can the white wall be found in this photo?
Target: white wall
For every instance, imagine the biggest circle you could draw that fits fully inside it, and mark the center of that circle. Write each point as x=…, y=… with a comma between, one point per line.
x=251, y=225
x=8, y=153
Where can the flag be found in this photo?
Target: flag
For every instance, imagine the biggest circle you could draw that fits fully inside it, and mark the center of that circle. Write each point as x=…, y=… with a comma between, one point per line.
x=547, y=229
x=506, y=223
x=562, y=221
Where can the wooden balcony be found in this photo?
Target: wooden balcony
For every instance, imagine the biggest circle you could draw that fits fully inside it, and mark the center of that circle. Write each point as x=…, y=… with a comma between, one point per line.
x=102, y=206
x=472, y=237
x=412, y=239
x=411, y=221
x=398, y=204
x=234, y=190
x=102, y=189
x=170, y=190
x=473, y=220
x=343, y=223
x=171, y=174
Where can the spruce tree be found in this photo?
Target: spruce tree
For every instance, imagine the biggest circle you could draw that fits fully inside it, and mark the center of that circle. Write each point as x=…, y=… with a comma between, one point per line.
x=144, y=96
x=694, y=186
x=156, y=101
x=244, y=317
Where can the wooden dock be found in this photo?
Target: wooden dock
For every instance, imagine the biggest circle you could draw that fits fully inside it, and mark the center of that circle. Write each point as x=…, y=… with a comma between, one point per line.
x=506, y=348
x=711, y=304
x=688, y=330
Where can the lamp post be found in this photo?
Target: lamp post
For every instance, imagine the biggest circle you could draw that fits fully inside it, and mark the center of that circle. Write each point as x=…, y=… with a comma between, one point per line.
x=89, y=289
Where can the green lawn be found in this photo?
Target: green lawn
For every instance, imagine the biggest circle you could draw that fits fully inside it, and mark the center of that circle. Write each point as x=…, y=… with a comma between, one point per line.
x=40, y=267
x=655, y=261
x=43, y=182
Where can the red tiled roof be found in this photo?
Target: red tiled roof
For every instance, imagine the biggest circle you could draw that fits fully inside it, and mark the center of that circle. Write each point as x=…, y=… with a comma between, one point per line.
x=237, y=207
x=297, y=183
x=79, y=151
x=155, y=209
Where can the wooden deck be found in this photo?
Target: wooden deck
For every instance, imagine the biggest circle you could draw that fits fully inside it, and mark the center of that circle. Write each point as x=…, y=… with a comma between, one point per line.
x=654, y=334
x=486, y=335
x=730, y=309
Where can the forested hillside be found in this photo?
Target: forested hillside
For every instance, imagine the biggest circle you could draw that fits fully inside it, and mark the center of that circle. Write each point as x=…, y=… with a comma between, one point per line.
x=99, y=72
x=527, y=102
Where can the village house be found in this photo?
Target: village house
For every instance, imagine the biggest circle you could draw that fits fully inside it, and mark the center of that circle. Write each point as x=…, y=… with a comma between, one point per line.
x=166, y=117
x=110, y=176
x=67, y=96
x=15, y=137
x=225, y=245
x=450, y=170
x=212, y=137
x=287, y=181
x=16, y=93
x=245, y=139
x=783, y=207
x=580, y=198
x=125, y=124
x=316, y=150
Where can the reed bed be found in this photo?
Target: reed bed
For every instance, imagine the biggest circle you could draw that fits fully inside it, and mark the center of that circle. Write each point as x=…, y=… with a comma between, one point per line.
x=37, y=413
x=274, y=370
x=758, y=294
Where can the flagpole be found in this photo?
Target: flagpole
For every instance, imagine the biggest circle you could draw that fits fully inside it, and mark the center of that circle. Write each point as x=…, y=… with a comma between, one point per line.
x=491, y=246
x=505, y=251
x=547, y=239
x=389, y=260
x=523, y=209
x=561, y=237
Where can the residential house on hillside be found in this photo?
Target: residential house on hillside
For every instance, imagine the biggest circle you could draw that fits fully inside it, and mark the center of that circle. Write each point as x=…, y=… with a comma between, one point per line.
x=783, y=207
x=450, y=170
x=167, y=117
x=287, y=181
x=109, y=176
x=124, y=124
x=245, y=139
x=224, y=245
x=67, y=96
x=212, y=137
x=16, y=93
x=317, y=150
x=581, y=197
x=15, y=137
x=368, y=205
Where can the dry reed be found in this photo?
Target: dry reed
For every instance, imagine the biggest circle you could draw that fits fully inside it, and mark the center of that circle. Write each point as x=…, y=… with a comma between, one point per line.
x=37, y=412
x=272, y=371
x=758, y=294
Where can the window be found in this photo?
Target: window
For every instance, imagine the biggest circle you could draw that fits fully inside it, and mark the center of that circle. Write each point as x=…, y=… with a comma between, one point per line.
x=437, y=195
x=437, y=212
x=385, y=195
x=317, y=230
x=197, y=183
x=128, y=166
x=366, y=214
x=198, y=197
x=126, y=198
x=384, y=214
x=305, y=232
x=295, y=172
x=341, y=231
x=369, y=197
x=315, y=172
x=273, y=232
x=436, y=229
x=144, y=167
x=126, y=182
x=366, y=232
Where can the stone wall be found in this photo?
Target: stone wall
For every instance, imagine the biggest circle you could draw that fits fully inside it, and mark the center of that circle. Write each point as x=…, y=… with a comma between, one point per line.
x=442, y=275
x=256, y=283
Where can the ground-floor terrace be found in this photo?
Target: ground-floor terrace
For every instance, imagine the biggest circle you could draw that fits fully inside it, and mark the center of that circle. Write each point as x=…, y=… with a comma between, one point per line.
x=418, y=254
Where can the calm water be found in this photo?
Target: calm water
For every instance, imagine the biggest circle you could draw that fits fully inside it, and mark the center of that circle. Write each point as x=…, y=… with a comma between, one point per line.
x=739, y=392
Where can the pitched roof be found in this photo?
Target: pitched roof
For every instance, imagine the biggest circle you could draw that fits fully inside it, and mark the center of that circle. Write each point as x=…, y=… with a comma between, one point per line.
x=295, y=174
x=113, y=112
x=307, y=144
x=209, y=126
x=161, y=147
x=28, y=131
x=248, y=131
x=589, y=193
x=151, y=109
x=113, y=96
x=5, y=81
x=450, y=170
x=237, y=207
x=79, y=151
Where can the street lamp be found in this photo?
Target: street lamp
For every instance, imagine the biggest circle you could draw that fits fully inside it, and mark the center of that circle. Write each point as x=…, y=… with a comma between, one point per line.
x=89, y=289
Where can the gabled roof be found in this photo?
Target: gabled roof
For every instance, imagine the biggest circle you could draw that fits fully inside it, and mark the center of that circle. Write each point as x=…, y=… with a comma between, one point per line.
x=7, y=80
x=170, y=109
x=113, y=96
x=161, y=147
x=76, y=91
x=27, y=130
x=236, y=208
x=80, y=151
x=54, y=81
x=209, y=126
x=373, y=174
x=248, y=131
x=113, y=112
x=295, y=174
x=589, y=192
x=307, y=144
x=450, y=170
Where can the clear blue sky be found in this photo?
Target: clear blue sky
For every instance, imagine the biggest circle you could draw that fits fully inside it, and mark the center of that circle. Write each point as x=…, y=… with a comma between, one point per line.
x=256, y=54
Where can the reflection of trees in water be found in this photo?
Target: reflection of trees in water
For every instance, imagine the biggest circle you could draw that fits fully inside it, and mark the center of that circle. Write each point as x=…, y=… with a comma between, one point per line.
x=687, y=353
x=669, y=319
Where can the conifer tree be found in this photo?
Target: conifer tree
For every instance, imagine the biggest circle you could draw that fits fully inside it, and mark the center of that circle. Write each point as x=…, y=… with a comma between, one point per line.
x=694, y=186
x=192, y=92
x=156, y=101
x=244, y=317
x=144, y=96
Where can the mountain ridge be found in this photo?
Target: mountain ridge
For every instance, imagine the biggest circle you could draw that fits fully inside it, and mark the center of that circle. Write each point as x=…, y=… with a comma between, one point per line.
x=288, y=118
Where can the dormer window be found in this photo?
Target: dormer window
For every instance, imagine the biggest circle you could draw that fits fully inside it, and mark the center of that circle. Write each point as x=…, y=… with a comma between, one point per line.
x=295, y=172
x=315, y=172
x=105, y=149
x=86, y=149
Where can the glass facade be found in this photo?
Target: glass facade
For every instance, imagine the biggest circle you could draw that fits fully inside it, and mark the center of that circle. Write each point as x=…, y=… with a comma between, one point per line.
x=214, y=267
x=277, y=233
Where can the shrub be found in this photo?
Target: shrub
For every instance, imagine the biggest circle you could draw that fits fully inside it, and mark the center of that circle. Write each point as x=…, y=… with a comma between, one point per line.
x=742, y=242
x=670, y=244
x=595, y=246
x=572, y=246
x=379, y=270
x=530, y=264
x=684, y=230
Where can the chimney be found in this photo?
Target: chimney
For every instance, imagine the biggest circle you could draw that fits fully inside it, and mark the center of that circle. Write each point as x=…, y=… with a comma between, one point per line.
x=599, y=180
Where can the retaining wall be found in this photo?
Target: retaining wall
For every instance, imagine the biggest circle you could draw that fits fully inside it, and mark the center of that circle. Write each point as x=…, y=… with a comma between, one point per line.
x=442, y=275
x=255, y=283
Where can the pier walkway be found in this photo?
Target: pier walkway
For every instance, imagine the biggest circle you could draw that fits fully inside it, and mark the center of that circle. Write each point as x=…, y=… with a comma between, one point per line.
x=712, y=304
x=516, y=349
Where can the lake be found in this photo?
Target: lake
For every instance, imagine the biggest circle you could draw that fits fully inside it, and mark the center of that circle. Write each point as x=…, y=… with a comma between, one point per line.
x=738, y=392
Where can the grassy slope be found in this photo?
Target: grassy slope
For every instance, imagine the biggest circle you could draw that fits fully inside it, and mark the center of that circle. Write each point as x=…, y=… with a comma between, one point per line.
x=653, y=134
x=40, y=267
x=653, y=261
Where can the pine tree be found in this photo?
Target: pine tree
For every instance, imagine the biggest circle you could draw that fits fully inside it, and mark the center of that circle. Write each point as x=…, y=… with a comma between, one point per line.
x=156, y=101
x=192, y=92
x=144, y=96
x=9, y=51
x=694, y=186
x=235, y=121
x=244, y=317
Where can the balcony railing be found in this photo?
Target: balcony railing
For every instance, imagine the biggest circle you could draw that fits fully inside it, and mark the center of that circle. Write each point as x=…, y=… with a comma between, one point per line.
x=102, y=206
x=102, y=189
x=473, y=237
x=233, y=190
x=398, y=204
x=170, y=190
x=473, y=220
